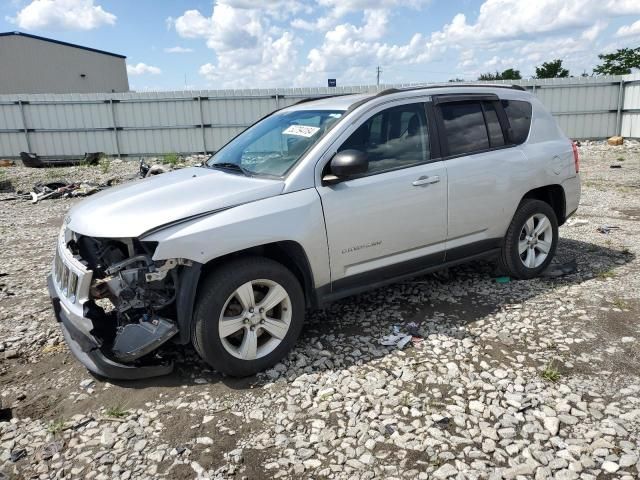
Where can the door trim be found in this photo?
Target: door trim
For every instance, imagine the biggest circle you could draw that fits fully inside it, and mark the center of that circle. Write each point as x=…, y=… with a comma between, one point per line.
x=373, y=279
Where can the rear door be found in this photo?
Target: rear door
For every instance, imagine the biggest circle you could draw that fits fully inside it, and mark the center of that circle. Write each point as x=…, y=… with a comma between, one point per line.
x=484, y=169
x=392, y=219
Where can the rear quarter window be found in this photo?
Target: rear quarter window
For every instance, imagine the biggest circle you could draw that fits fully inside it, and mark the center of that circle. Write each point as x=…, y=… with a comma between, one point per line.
x=519, y=114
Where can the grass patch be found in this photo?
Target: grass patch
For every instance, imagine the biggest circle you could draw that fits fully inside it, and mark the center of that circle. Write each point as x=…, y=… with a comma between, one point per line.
x=171, y=159
x=603, y=275
x=620, y=159
x=55, y=427
x=620, y=303
x=625, y=250
x=104, y=164
x=550, y=373
x=117, y=411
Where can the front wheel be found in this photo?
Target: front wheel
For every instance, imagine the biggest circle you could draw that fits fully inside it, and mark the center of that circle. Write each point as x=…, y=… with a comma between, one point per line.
x=248, y=316
x=531, y=240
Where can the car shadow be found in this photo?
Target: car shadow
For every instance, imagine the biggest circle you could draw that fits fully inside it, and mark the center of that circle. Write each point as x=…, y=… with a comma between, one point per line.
x=348, y=332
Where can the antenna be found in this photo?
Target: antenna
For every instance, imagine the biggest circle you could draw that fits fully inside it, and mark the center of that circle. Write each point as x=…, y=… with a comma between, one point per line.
x=378, y=72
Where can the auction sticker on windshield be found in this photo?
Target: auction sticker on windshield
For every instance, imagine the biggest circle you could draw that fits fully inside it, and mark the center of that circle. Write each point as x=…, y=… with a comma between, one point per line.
x=301, y=130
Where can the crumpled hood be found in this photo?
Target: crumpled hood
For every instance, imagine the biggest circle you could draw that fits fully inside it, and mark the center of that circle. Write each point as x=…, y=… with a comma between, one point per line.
x=133, y=208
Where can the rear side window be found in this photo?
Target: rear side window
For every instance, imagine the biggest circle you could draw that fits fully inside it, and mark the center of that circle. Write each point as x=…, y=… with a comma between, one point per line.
x=464, y=127
x=519, y=115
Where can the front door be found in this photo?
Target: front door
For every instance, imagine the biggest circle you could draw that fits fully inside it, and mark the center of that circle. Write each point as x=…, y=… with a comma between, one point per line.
x=391, y=220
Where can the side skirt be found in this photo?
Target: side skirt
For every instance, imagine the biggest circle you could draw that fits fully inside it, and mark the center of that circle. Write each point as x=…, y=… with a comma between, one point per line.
x=378, y=278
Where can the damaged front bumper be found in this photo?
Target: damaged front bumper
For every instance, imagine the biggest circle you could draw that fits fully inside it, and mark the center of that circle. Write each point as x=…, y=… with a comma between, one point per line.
x=86, y=348
x=118, y=355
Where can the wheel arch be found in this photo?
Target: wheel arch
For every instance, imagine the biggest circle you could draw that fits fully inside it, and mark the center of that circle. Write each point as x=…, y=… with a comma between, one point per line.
x=288, y=252
x=554, y=196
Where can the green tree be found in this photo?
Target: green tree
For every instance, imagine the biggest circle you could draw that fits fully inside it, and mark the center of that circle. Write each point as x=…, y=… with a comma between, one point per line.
x=552, y=69
x=508, y=74
x=511, y=74
x=618, y=63
x=490, y=76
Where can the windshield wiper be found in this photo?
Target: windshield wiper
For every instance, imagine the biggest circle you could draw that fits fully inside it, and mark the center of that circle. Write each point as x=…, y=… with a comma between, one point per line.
x=231, y=166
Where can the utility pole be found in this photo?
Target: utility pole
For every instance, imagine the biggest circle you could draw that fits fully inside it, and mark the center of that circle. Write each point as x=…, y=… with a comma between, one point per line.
x=378, y=72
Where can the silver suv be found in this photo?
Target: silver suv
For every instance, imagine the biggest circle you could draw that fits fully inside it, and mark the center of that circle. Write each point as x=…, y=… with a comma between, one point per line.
x=317, y=201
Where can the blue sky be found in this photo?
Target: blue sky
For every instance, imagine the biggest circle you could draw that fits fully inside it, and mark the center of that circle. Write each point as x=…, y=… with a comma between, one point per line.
x=284, y=43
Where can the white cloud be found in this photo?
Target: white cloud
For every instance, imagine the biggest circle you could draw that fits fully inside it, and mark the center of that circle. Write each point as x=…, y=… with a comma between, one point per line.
x=336, y=9
x=142, y=69
x=248, y=49
x=63, y=14
x=178, y=49
x=591, y=33
x=509, y=19
x=629, y=30
x=354, y=51
x=192, y=24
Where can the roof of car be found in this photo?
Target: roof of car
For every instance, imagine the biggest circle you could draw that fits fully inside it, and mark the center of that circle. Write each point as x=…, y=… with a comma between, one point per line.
x=346, y=101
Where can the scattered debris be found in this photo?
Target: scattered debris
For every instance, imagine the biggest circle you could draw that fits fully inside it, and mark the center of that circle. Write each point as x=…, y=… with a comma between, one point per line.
x=401, y=335
x=561, y=269
x=18, y=454
x=7, y=163
x=147, y=170
x=577, y=222
x=606, y=229
x=615, y=166
x=615, y=141
x=59, y=189
x=503, y=279
x=33, y=160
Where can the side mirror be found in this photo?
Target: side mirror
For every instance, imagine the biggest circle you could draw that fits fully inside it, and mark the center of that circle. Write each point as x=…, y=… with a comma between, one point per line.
x=345, y=164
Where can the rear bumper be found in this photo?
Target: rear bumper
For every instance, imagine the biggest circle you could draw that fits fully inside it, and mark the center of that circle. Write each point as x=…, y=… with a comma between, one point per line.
x=572, y=192
x=86, y=348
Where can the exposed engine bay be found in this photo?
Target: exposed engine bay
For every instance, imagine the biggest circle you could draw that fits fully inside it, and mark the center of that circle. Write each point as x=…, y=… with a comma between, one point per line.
x=132, y=298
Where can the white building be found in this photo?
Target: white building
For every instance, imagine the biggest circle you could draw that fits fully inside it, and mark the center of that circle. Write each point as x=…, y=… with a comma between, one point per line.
x=32, y=64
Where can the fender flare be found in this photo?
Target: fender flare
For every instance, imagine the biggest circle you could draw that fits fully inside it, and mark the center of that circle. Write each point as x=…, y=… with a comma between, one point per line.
x=188, y=280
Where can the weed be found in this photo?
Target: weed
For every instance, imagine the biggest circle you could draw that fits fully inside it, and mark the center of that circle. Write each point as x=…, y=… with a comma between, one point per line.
x=117, y=411
x=620, y=303
x=625, y=250
x=550, y=373
x=51, y=173
x=56, y=427
x=620, y=159
x=171, y=158
x=105, y=164
x=603, y=275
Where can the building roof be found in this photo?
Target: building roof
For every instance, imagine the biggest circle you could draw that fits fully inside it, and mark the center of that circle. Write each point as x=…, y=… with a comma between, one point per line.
x=59, y=42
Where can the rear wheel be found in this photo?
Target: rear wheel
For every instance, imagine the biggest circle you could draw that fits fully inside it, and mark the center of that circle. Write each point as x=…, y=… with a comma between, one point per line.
x=531, y=240
x=249, y=315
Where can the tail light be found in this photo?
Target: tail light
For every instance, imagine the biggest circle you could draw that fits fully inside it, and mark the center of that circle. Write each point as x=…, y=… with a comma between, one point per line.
x=576, y=157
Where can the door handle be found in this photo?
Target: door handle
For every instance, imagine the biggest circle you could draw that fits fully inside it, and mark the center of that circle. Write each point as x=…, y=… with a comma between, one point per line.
x=425, y=180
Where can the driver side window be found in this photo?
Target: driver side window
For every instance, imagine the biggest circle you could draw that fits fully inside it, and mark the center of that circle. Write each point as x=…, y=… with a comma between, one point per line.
x=393, y=138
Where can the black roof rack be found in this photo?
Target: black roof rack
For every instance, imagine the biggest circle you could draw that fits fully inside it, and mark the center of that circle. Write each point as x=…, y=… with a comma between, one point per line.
x=311, y=99
x=390, y=91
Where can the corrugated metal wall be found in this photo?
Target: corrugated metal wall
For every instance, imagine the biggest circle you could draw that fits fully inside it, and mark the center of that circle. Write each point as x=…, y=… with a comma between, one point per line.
x=202, y=121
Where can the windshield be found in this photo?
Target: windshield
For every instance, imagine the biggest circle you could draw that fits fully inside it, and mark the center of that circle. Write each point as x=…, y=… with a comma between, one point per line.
x=272, y=146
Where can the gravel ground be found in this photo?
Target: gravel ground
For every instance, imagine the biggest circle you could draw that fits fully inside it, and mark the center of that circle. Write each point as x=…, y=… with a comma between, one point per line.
x=525, y=379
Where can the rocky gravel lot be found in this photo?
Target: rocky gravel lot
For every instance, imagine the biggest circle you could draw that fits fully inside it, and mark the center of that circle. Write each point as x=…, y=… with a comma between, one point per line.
x=524, y=379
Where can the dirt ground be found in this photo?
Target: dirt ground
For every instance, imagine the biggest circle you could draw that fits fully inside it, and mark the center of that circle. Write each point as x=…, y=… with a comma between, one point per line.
x=491, y=357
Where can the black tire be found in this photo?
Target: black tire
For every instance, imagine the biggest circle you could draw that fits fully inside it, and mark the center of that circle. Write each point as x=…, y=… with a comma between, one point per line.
x=510, y=261
x=214, y=293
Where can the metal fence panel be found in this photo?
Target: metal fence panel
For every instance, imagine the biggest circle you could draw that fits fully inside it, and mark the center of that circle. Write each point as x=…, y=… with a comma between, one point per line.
x=71, y=143
x=136, y=123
